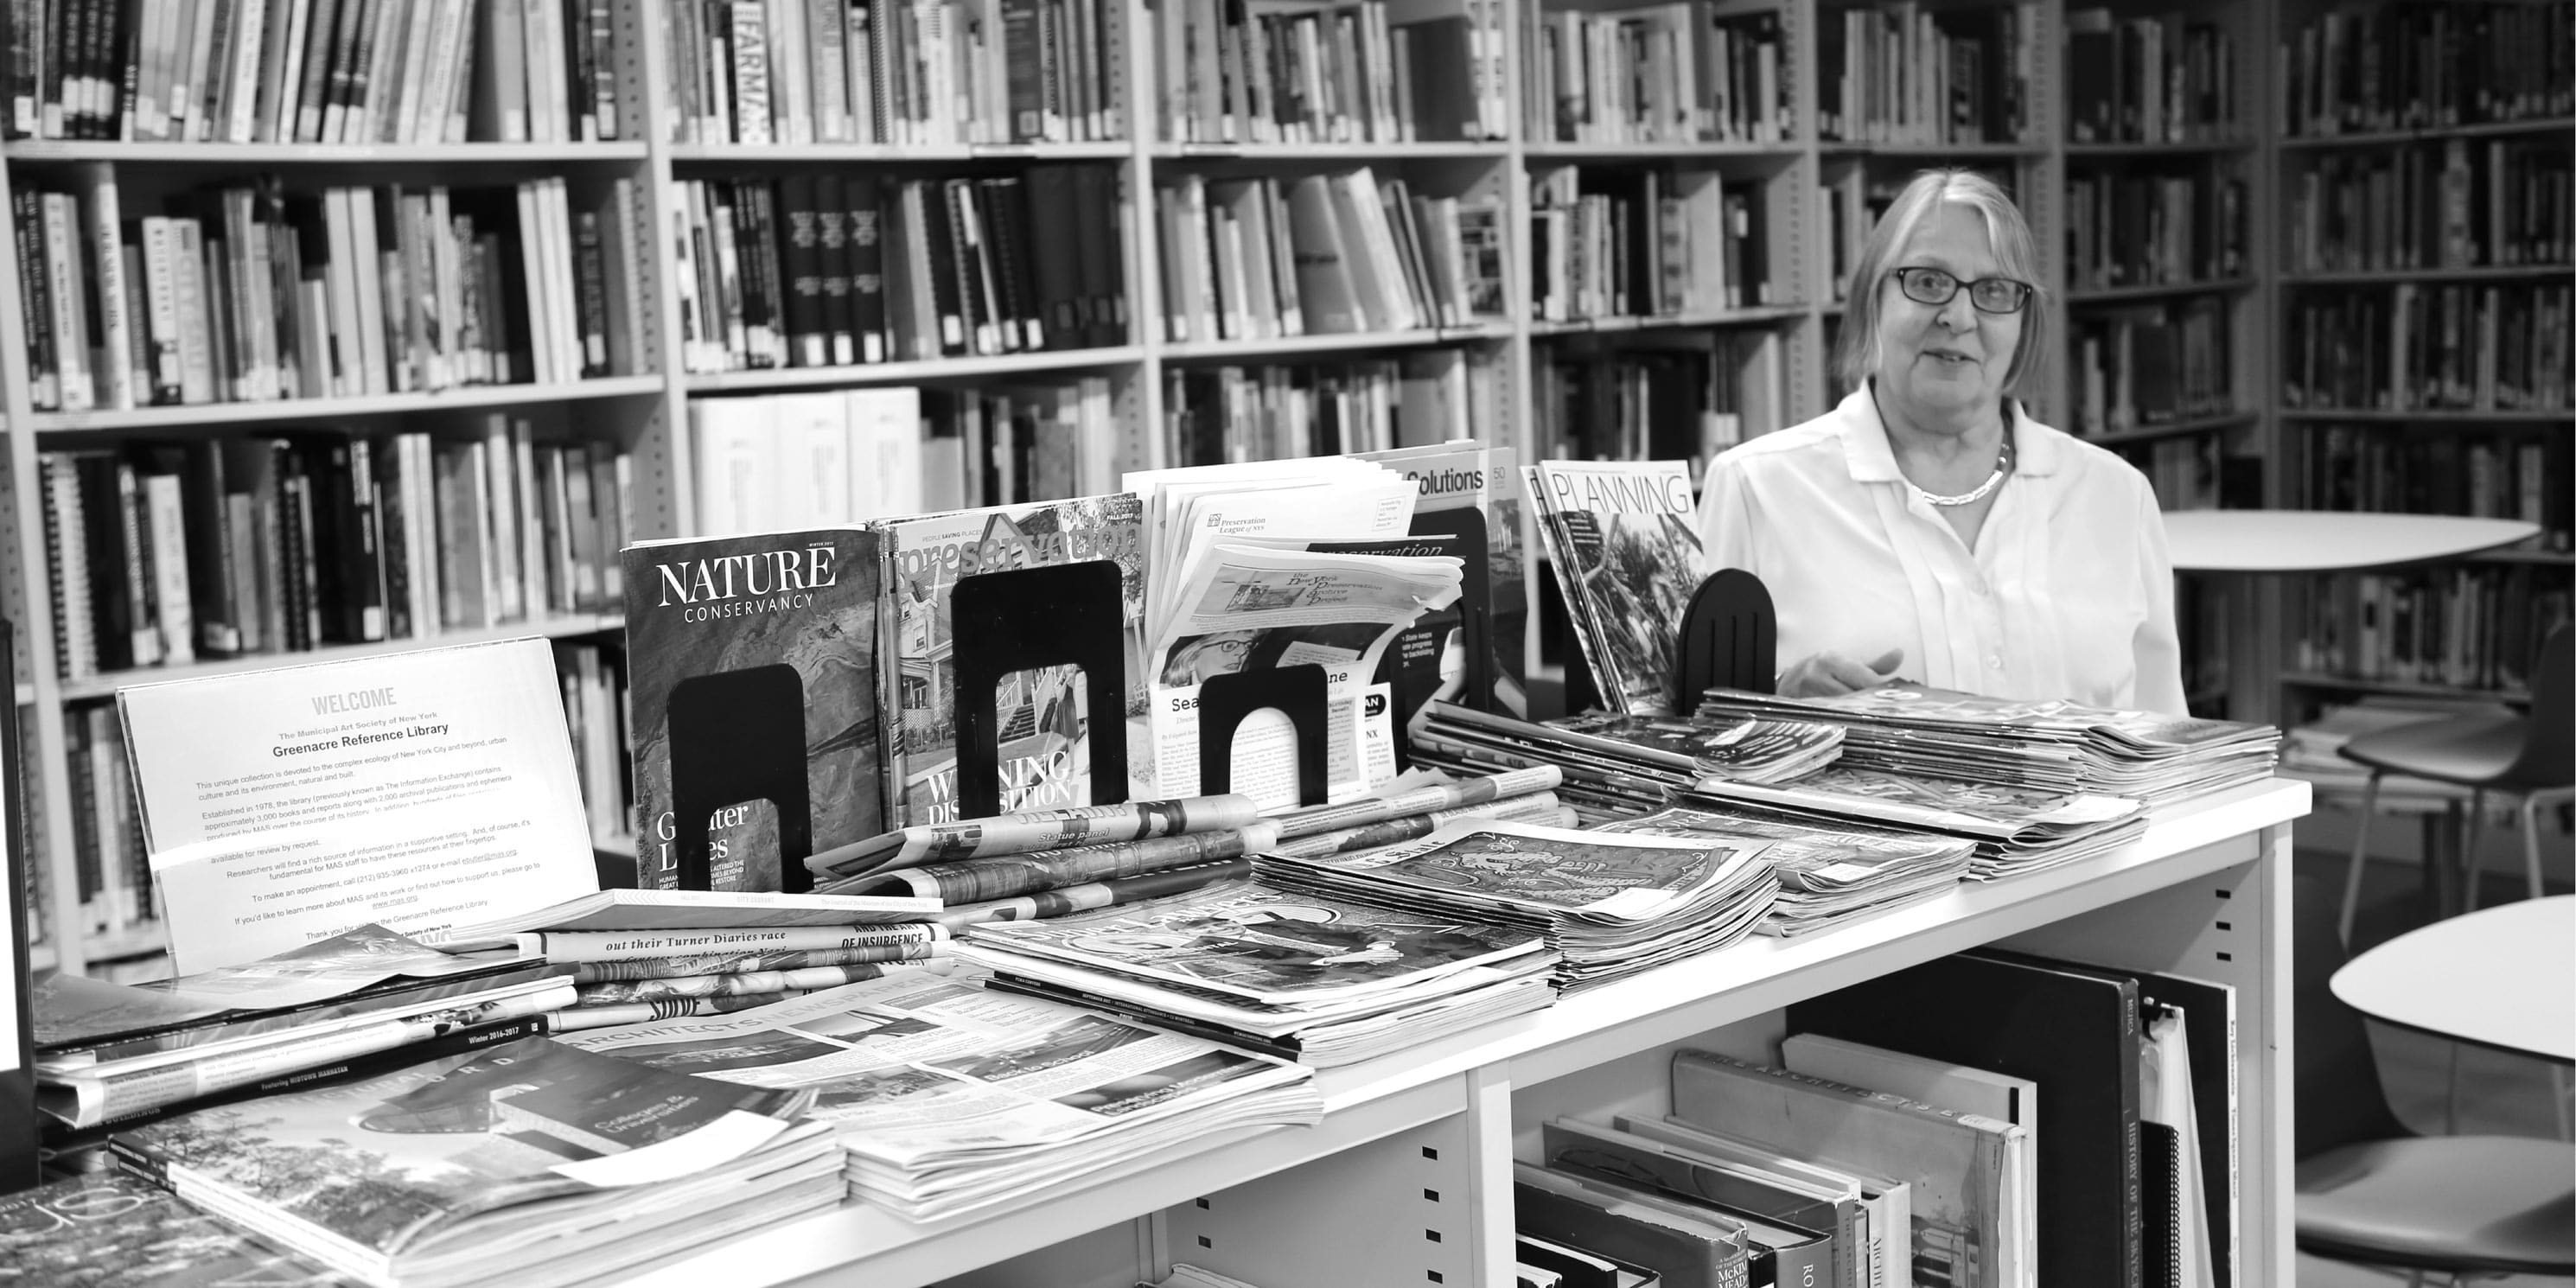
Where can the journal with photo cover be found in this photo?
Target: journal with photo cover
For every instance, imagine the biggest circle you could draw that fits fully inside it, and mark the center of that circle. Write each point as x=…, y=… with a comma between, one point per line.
x=752, y=664
x=1626, y=548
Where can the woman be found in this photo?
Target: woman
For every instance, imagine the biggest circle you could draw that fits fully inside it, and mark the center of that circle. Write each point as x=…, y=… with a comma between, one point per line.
x=1928, y=528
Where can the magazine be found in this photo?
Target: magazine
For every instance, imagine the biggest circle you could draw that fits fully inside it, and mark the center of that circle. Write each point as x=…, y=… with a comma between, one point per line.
x=773, y=639
x=1044, y=713
x=1005, y=875
x=1611, y=880
x=325, y=969
x=1246, y=940
x=1021, y=833
x=1452, y=480
x=1982, y=810
x=1759, y=751
x=113, y=1231
x=1826, y=872
x=1625, y=545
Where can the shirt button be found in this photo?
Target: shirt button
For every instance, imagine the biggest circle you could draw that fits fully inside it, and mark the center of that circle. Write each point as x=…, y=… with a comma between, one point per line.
x=1983, y=587
x=1994, y=661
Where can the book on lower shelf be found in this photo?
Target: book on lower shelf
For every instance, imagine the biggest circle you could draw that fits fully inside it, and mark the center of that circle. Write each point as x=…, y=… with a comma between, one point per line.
x=1375, y=72
x=2428, y=347
x=2155, y=78
x=2496, y=62
x=1680, y=73
x=1617, y=243
x=1217, y=415
x=1910, y=74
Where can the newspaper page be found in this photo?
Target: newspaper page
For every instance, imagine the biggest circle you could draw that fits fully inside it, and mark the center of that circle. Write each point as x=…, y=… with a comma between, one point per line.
x=1032, y=830
x=1251, y=608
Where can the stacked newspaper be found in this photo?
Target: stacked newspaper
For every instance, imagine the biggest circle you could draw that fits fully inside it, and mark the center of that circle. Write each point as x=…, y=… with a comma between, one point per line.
x=950, y=1097
x=1621, y=766
x=1318, y=980
x=1611, y=905
x=2050, y=745
x=1416, y=804
x=365, y=999
x=1046, y=863
x=530, y=1163
x=657, y=954
x=1828, y=875
x=2016, y=829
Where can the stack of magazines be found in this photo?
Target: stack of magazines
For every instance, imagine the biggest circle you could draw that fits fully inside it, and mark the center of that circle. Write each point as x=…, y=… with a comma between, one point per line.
x=530, y=1163
x=2016, y=829
x=1416, y=804
x=950, y=1097
x=1611, y=905
x=366, y=999
x=1046, y=863
x=1307, y=978
x=2053, y=746
x=1828, y=874
x=1621, y=766
x=655, y=954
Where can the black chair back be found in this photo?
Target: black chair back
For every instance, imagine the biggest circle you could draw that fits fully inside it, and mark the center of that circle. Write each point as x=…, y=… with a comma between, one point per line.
x=2548, y=756
x=2339, y=1098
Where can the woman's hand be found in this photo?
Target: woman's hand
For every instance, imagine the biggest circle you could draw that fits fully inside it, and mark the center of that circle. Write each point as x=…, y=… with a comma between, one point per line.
x=1826, y=674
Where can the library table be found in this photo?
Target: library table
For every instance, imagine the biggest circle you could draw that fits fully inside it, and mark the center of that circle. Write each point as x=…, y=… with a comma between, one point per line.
x=2259, y=541
x=2501, y=977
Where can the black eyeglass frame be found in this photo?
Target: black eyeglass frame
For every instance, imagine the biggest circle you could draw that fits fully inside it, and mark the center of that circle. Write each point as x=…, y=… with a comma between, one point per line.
x=1905, y=283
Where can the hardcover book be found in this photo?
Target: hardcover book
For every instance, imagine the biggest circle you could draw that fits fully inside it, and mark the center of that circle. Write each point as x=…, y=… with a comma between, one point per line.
x=1043, y=713
x=751, y=661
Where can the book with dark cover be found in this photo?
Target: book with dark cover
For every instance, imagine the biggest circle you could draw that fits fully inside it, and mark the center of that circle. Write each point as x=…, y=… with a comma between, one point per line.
x=796, y=613
x=809, y=341
x=1104, y=281
x=936, y=230
x=1056, y=250
x=1796, y=1235
x=2072, y=1030
x=1688, y=1249
x=832, y=255
x=1043, y=714
x=864, y=228
x=2209, y=1027
x=113, y=1231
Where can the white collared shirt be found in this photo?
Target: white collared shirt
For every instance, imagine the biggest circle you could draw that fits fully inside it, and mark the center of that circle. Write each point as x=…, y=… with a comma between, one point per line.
x=2068, y=594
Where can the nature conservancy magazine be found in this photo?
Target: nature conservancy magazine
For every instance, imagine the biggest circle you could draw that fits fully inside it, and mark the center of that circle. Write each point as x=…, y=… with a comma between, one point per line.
x=951, y=1097
x=1043, y=713
x=749, y=657
x=532, y=1162
x=1266, y=945
x=112, y=1231
x=1625, y=546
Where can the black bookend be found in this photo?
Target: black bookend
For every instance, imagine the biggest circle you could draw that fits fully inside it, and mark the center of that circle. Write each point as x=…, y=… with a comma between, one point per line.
x=739, y=736
x=18, y=1072
x=1729, y=638
x=1475, y=599
x=1023, y=619
x=1298, y=692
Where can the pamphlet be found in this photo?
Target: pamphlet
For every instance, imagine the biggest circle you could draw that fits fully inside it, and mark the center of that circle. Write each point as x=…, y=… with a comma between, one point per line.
x=411, y=791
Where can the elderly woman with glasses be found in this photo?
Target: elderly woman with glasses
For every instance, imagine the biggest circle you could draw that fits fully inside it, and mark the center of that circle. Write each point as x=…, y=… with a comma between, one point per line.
x=1928, y=528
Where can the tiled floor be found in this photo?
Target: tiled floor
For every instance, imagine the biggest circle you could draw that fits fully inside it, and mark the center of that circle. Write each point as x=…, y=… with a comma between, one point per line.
x=2499, y=1094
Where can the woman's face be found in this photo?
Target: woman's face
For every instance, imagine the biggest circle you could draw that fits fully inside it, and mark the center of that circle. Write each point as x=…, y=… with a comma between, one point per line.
x=1945, y=363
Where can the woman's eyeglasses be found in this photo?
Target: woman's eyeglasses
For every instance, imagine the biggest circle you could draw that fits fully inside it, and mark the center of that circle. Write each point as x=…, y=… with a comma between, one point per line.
x=1936, y=287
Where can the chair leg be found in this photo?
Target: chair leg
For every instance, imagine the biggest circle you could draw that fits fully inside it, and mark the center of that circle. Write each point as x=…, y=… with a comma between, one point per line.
x=2360, y=851
x=2469, y=849
x=2531, y=845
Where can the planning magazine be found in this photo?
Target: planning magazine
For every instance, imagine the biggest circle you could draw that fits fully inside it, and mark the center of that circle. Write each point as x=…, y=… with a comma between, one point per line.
x=535, y=1162
x=1624, y=541
x=740, y=649
x=1044, y=712
x=112, y=1231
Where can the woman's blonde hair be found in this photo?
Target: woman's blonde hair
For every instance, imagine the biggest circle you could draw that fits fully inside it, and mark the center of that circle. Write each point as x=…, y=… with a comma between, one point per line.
x=2016, y=252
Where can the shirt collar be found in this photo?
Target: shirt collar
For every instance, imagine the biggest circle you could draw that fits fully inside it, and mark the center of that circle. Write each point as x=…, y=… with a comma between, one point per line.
x=1870, y=460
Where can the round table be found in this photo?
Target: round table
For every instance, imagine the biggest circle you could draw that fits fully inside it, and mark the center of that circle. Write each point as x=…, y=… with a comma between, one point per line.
x=2256, y=541
x=2502, y=977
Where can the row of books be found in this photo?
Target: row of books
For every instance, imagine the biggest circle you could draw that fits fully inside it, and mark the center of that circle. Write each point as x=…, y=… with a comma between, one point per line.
x=852, y=456
x=250, y=292
x=1323, y=254
x=828, y=270
x=1669, y=73
x=2501, y=475
x=317, y=71
x=2154, y=230
x=1377, y=71
x=1668, y=402
x=1909, y=72
x=2155, y=78
x=1645, y=243
x=2473, y=627
x=944, y=72
x=1849, y=204
x=593, y=677
x=166, y=555
x=2411, y=66
x=2424, y=347
x=2150, y=364
x=1230, y=414
x=2503, y=202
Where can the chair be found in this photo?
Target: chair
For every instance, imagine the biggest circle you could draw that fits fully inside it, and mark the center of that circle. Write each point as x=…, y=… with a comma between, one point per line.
x=2368, y=1190
x=2533, y=756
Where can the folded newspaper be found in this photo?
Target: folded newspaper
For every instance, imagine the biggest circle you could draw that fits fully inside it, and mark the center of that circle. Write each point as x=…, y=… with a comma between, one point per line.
x=949, y=1096
x=1022, y=833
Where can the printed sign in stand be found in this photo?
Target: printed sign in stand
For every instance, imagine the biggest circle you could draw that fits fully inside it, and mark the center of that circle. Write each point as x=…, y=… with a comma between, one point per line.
x=1297, y=692
x=1730, y=638
x=1021, y=620
x=17, y=1058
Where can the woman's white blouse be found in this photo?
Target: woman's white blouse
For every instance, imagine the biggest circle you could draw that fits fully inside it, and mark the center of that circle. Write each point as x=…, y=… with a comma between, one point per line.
x=2068, y=594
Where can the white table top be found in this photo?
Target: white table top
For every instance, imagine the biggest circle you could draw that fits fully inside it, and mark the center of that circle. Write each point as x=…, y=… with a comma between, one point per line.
x=2324, y=541
x=2504, y=976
